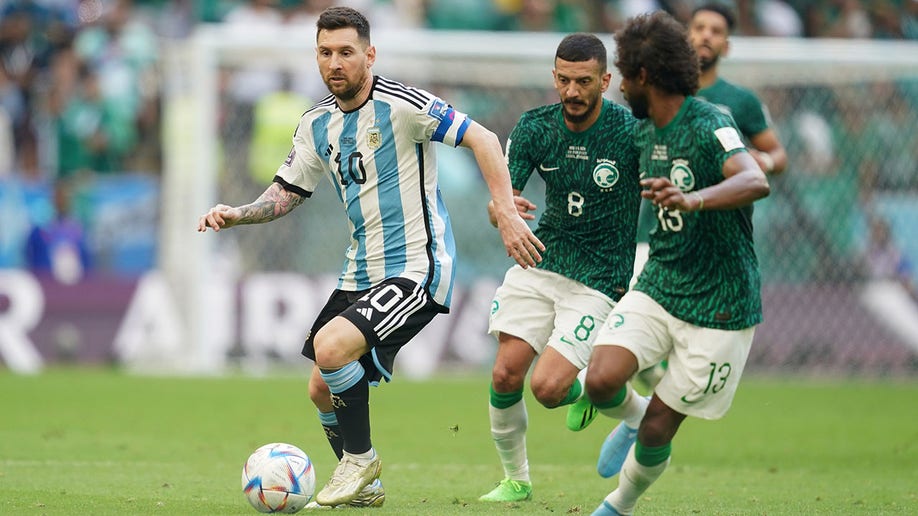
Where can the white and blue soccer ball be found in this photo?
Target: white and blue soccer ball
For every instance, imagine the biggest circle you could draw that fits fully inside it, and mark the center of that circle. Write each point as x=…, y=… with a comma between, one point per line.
x=278, y=477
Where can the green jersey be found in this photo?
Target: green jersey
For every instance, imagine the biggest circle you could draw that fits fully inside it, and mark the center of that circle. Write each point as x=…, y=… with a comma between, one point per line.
x=750, y=115
x=743, y=105
x=592, y=193
x=702, y=267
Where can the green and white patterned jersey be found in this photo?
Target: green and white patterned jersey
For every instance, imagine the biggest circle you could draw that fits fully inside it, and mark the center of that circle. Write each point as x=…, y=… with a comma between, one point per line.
x=702, y=267
x=743, y=105
x=750, y=115
x=592, y=193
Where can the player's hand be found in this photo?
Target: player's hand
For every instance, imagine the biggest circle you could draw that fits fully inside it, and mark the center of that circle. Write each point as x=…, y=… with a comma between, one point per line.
x=521, y=244
x=523, y=207
x=218, y=217
x=663, y=193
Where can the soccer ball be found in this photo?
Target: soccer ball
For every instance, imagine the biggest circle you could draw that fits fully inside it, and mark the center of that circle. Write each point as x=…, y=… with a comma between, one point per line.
x=278, y=477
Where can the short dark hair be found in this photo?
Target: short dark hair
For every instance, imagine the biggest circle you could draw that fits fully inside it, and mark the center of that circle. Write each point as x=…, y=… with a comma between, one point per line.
x=658, y=43
x=582, y=46
x=342, y=18
x=720, y=9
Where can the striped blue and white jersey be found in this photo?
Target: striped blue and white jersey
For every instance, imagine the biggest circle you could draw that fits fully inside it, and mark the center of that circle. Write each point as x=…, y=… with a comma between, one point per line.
x=380, y=160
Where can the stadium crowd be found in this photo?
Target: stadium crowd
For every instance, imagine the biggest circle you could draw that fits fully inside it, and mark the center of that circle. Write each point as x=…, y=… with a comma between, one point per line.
x=78, y=79
x=81, y=84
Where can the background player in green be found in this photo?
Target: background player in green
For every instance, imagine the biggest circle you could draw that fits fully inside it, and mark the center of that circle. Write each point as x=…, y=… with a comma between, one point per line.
x=709, y=33
x=582, y=147
x=697, y=301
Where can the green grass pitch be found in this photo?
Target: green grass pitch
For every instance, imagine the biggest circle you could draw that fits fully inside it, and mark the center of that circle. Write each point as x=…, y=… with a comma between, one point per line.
x=87, y=441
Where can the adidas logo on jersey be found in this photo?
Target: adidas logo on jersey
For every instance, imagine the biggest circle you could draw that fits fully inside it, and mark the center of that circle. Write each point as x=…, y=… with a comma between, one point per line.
x=366, y=312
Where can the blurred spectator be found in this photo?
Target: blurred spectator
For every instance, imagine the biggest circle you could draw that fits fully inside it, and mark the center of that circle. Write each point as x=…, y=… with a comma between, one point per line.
x=123, y=51
x=390, y=14
x=882, y=132
x=616, y=12
x=11, y=105
x=94, y=134
x=176, y=19
x=837, y=19
x=306, y=81
x=24, y=51
x=777, y=19
x=910, y=20
x=467, y=15
x=249, y=84
x=271, y=136
x=883, y=260
x=246, y=85
x=306, y=13
x=548, y=16
x=58, y=248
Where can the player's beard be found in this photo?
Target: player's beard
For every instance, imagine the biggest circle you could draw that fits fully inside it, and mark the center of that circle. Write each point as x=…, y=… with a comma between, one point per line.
x=344, y=92
x=706, y=63
x=640, y=107
x=576, y=119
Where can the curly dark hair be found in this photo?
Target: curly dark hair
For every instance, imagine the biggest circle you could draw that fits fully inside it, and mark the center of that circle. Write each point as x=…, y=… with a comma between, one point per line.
x=582, y=46
x=658, y=43
x=335, y=18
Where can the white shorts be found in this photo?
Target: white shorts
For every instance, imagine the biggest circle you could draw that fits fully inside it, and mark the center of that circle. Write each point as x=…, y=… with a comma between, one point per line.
x=547, y=309
x=705, y=364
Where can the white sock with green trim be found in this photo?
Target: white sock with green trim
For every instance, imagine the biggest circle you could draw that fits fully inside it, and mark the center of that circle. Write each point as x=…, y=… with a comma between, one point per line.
x=508, y=429
x=633, y=480
x=631, y=410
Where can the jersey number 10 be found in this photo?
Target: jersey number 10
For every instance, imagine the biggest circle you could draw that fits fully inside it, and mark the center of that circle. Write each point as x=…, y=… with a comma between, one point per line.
x=355, y=169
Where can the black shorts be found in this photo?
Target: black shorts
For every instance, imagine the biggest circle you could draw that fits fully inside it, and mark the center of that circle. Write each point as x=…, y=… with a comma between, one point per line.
x=388, y=315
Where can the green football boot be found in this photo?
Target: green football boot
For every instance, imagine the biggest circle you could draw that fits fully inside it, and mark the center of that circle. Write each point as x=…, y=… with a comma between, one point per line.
x=580, y=414
x=509, y=490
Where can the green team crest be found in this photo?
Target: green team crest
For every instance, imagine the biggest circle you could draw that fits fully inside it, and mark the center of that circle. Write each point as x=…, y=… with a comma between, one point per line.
x=681, y=175
x=605, y=174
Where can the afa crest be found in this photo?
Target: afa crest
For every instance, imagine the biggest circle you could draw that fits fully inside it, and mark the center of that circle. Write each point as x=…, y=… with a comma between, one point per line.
x=374, y=138
x=605, y=174
x=681, y=175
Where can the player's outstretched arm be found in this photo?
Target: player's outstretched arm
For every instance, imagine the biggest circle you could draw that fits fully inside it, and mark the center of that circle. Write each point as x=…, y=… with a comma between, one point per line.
x=521, y=244
x=274, y=203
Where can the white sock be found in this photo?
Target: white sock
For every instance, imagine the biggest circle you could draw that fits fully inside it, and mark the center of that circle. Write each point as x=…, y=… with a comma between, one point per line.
x=581, y=377
x=508, y=429
x=631, y=411
x=633, y=480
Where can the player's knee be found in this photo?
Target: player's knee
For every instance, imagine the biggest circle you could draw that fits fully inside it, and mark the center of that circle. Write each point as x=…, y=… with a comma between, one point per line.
x=549, y=392
x=602, y=387
x=507, y=378
x=328, y=356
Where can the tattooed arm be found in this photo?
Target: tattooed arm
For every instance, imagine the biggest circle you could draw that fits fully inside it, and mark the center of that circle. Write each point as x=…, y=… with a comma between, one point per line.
x=274, y=203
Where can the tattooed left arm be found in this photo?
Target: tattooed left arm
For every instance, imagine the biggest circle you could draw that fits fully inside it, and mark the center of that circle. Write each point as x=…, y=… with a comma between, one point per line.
x=274, y=203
